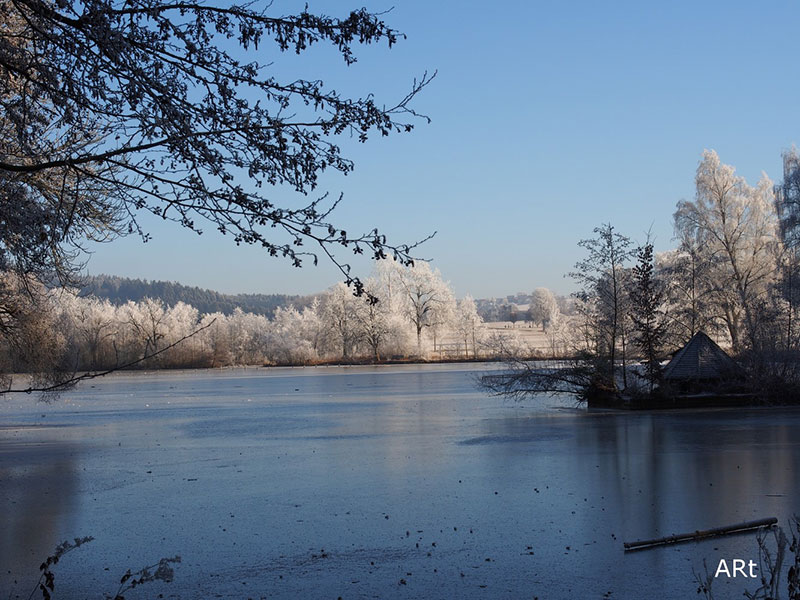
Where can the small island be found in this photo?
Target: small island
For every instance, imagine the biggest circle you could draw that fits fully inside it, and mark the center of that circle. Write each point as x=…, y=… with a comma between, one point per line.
x=711, y=322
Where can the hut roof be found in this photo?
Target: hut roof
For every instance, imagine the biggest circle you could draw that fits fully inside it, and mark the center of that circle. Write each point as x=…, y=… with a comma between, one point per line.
x=700, y=358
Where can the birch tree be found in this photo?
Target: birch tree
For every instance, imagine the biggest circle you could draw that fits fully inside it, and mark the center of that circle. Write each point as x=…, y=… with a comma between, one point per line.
x=427, y=300
x=736, y=227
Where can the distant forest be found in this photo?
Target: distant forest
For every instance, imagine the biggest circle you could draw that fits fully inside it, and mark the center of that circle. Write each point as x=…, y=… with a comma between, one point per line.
x=119, y=290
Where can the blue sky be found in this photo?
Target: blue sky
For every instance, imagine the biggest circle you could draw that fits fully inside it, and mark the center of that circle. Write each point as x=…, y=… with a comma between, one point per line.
x=548, y=119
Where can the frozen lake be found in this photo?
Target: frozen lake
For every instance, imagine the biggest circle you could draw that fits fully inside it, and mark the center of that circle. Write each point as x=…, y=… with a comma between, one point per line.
x=377, y=482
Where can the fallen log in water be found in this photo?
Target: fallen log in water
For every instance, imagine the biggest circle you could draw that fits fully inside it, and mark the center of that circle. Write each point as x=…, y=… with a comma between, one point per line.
x=697, y=535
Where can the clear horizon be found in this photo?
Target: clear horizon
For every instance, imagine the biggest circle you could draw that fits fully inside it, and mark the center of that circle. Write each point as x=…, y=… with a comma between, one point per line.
x=546, y=123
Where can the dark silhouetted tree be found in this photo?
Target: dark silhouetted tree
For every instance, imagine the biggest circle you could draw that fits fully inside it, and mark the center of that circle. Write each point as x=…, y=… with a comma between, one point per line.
x=602, y=275
x=112, y=108
x=649, y=323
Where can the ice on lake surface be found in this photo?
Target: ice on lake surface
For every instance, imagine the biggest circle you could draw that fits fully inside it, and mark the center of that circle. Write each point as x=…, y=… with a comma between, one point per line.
x=377, y=482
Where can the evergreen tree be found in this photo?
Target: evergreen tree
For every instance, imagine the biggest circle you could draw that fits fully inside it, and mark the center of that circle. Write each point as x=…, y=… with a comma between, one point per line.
x=649, y=322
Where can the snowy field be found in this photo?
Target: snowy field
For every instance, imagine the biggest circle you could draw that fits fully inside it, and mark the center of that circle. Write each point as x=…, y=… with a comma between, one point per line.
x=376, y=482
x=521, y=333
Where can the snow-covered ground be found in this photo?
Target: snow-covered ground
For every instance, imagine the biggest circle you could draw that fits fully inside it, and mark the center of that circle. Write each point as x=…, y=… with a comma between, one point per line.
x=376, y=482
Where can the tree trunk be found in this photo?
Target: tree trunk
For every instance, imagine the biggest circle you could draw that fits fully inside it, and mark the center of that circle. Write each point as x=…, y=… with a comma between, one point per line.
x=624, y=358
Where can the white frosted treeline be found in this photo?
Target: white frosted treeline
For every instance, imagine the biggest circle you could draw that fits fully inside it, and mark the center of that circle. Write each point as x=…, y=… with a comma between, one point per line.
x=417, y=316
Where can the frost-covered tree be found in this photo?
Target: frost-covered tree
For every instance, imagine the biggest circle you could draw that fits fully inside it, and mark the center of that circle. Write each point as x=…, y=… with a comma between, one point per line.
x=338, y=313
x=95, y=323
x=427, y=301
x=563, y=337
x=736, y=228
x=376, y=321
x=689, y=292
x=31, y=339
x=180, y=321
x=311, y=326
x=239, y=335
x=147, y=322
x=216, y=340
x=289, y=341
x=385, y=283
x=544, y=308
x=466, y=325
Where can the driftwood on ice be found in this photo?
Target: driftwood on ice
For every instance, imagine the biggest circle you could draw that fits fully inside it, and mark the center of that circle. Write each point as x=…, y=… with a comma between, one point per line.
x=697, y=535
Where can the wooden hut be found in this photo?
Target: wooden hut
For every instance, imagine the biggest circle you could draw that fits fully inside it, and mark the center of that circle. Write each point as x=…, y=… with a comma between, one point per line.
x=700, y=366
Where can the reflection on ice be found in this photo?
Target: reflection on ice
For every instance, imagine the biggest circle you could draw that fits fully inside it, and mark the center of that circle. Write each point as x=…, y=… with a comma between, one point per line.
x=39, y=483
x=341, y=482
